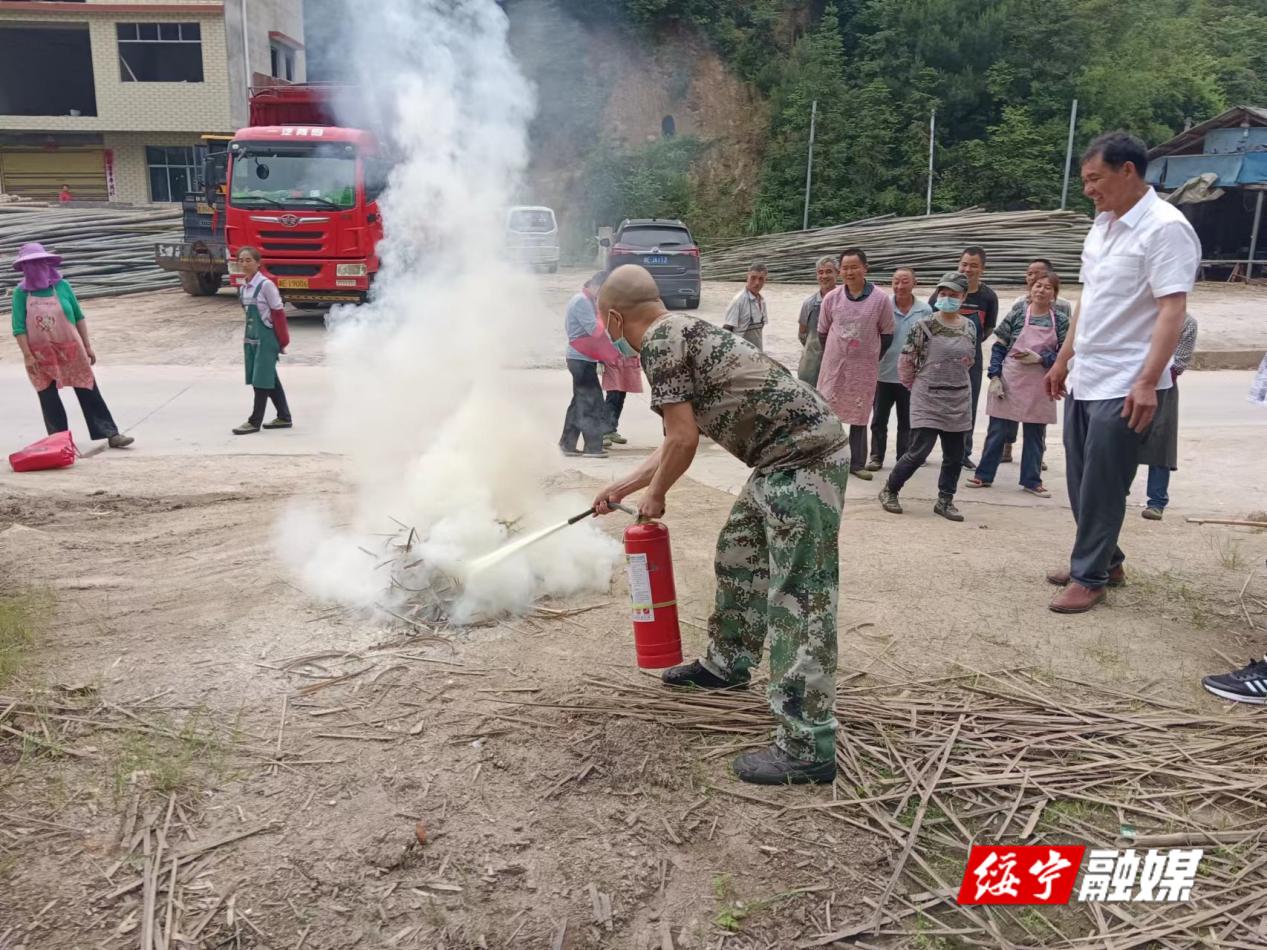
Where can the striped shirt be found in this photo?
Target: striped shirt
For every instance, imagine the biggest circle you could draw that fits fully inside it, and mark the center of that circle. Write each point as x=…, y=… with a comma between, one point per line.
x=1187, y=344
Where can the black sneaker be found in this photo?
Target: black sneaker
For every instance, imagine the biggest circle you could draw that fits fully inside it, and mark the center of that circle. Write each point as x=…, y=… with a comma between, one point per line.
x=697, y=675
x=1246, y=685
x=969, y=465
x=773, y=766
x=946, y=508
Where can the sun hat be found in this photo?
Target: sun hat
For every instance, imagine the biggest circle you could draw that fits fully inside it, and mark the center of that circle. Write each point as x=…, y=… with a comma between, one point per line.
x=35, y=252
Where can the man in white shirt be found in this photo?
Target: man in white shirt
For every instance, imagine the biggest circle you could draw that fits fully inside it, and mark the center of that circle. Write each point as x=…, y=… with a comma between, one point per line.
x=1139, y=262
x=746, y=314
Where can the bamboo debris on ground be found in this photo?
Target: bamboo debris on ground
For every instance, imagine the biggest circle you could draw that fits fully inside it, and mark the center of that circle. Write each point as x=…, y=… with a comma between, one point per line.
x=930, y=244
x=1078, y=762
x=105, y=251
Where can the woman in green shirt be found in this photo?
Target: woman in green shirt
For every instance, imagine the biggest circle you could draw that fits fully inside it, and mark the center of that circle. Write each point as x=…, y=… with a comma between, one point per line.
x=53, y=337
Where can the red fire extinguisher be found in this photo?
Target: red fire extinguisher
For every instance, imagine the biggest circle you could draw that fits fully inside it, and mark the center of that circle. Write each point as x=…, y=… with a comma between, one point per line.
x=653, y=595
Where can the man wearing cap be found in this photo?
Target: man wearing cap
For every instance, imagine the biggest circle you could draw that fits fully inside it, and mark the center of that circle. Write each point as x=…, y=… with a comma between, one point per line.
x=52, y=334
x=1139, y=262
x=777, y=564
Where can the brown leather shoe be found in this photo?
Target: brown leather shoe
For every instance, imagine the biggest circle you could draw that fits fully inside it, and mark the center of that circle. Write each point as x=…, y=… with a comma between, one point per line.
x=1117, y=577
x=1076, y=599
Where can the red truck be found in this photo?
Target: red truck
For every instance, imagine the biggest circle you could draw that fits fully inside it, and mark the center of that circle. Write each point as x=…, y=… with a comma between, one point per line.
x=305, y=191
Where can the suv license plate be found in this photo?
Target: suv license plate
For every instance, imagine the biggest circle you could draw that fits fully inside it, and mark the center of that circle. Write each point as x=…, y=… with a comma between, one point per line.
x=655, y=259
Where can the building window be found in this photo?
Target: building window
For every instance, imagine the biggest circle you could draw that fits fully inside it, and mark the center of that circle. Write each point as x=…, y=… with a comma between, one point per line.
x=282, y=59
x=46, y=70
x=174, y=170
x=160, y=52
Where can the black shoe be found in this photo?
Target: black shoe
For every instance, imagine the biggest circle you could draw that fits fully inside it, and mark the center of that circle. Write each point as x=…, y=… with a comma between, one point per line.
x=1246, y=685
x=874, y=464
x=246, y=428
x=946, y=508
x=773, y=766
x=889, y=502
x=969, y=465
x=278, y=423
x=697, y=675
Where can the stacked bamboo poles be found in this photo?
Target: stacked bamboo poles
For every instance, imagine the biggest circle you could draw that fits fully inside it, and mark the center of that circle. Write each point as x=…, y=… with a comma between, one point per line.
x=930, y=244
x=105, y=251
x=1010, y=757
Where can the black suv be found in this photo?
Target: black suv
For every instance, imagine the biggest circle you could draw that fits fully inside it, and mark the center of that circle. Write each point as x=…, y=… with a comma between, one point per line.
x=663, y=246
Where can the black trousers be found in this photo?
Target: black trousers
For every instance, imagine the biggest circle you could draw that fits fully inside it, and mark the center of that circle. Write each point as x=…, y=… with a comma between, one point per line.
x=588, y=414
x=96, y=413
x=1101, y=457
x=857, y=447
x=922, y=442
x=615, y=406
x=887, y=396
x=262, y=396
x=974, y=377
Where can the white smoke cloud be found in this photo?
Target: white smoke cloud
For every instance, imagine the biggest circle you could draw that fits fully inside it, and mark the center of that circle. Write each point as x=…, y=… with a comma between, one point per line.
x=423, y=411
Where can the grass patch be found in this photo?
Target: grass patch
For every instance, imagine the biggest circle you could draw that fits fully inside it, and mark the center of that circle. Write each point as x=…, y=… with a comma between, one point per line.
x=171, y=763
x=23, y=616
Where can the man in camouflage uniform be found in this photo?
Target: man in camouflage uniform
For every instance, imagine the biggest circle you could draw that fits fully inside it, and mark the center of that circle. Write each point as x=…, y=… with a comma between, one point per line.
x=777, y=561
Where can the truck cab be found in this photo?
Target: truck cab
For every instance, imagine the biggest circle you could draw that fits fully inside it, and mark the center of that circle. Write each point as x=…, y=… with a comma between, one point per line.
x=305, y=193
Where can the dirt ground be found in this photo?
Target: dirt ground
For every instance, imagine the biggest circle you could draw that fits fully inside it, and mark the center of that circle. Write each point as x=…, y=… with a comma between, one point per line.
x=183, y=694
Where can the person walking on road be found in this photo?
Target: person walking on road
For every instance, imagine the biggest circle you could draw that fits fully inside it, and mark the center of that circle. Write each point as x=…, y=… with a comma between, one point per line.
x=588, y=415
x=1161, y=454
x=1025, y=347
x=267, y=336
x=1139, y=262
x=746, y=314
x=908, y=310
x=620, y=377
x=981, y=306
x=807, y=324
x=52, y=333
x=855, y=327
x=935, y=366
x=777, y=563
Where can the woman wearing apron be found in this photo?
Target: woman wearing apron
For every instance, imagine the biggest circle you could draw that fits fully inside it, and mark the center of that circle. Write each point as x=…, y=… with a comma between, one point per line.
x=1025, y=348
x=53, y=336
x=935, y=366
x=267, y=336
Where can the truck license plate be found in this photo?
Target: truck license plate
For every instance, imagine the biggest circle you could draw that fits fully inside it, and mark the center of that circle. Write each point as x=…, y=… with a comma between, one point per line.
x=293, y=283
x=655, y=259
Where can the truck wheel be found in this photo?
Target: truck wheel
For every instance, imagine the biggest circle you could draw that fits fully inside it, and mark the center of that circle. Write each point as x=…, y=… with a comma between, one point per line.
x=198, y=284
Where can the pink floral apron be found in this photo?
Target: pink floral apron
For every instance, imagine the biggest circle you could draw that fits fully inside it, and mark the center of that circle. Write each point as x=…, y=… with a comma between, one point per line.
x=59, y=352
x=1026, y=398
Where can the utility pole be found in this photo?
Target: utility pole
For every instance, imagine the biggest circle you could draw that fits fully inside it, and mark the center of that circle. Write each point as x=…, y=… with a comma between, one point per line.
x=809, y=164
x=932, y=144
x=1073, y=121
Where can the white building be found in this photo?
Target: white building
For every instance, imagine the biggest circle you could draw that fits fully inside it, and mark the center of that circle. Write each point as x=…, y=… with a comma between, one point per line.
x=112, y=98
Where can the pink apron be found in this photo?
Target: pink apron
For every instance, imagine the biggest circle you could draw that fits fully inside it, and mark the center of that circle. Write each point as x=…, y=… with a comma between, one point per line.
x=623, y=376
x=1026, y=392
x=59, y=352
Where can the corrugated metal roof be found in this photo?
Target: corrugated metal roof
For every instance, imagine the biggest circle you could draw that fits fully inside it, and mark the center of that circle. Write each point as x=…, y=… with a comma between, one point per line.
x=1184, y=141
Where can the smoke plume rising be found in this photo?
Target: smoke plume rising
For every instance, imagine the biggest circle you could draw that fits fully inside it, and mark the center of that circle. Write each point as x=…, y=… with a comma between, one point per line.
x=423, y=408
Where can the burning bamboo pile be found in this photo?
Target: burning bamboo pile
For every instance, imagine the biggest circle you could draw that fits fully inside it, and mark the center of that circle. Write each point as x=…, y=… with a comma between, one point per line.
x=1011, y=758
x=930, y=244
x=105, y=251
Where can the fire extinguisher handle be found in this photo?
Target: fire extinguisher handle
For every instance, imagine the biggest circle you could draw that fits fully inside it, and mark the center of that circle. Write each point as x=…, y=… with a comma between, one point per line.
x=587, y=513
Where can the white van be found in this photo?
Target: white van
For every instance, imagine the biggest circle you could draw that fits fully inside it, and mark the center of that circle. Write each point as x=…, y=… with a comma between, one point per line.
x=532, y=237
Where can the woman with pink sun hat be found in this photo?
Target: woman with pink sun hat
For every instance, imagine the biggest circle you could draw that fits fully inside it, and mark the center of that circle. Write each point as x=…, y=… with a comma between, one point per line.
x=53, y=336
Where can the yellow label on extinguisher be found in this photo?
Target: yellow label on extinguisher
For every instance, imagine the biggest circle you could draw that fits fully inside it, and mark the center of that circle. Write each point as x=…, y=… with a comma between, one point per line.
x=640, y=589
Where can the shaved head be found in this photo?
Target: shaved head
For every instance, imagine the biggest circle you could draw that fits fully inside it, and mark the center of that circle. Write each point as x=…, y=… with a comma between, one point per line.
x=629, y=302
x=627, y=288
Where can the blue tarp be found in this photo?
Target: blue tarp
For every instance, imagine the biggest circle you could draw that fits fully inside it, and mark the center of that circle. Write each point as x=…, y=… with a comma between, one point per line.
x=1247, y=168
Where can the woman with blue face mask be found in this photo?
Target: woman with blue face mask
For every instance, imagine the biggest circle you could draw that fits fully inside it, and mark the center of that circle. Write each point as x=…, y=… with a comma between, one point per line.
x=935, y=366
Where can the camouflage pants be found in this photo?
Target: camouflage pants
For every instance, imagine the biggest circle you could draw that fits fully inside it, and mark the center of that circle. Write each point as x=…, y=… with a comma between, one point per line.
x=777, y=567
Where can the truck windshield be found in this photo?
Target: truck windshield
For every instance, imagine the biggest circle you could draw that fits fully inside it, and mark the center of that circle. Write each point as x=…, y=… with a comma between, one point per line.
x=267, y=176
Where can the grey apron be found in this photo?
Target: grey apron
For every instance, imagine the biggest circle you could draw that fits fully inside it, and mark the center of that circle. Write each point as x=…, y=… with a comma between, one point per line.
x=941, y=396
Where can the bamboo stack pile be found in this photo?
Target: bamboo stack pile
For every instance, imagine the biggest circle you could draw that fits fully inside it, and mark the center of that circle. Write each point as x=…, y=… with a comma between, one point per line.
x=105, y=251
x=930, y=244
